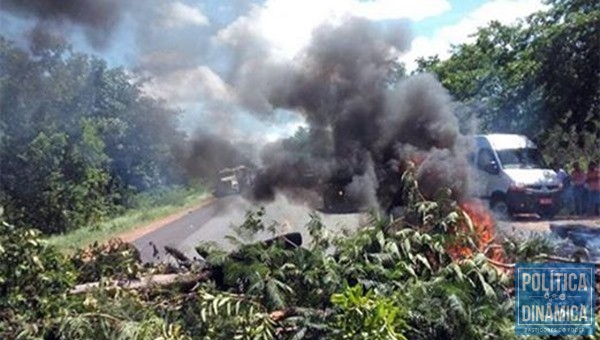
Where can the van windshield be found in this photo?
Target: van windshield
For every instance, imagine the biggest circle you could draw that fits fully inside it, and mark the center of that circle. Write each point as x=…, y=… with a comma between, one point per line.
x=527, y=158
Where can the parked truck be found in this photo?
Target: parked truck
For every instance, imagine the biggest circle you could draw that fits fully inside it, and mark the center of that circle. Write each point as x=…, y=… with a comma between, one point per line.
x=234, y=180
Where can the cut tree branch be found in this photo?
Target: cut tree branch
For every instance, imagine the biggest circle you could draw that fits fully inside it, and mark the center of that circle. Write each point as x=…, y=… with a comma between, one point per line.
x=158, y=280
x=288, y=241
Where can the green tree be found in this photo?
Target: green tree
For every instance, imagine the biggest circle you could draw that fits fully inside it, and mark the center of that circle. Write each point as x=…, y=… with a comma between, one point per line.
x=76, y=138
x=540, y=77
x=566, y=44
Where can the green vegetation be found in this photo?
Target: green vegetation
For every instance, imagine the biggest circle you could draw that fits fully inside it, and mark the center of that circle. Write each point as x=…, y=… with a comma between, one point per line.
x=78, y=140
x=539, y=78
x=80, y=144
x=392, y=279
x=146, y=208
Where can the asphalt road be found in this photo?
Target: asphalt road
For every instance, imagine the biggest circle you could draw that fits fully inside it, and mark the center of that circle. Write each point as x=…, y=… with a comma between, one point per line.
x=215, y=221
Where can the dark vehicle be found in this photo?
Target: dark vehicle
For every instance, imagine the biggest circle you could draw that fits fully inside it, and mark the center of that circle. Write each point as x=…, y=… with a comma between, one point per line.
x=231, y=181
x=336, y=198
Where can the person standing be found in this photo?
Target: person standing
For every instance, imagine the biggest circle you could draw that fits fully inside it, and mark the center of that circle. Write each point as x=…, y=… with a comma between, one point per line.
x=593, y=186
x=566, y=194
x=578, y=180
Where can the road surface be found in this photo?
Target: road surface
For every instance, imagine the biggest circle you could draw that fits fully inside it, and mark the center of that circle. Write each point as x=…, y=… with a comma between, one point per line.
x=568, y=234
x=214, y=221
x=524, y=226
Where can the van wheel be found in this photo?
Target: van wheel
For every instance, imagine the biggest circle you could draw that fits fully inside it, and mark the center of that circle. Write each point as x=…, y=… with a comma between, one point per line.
x=500, y=207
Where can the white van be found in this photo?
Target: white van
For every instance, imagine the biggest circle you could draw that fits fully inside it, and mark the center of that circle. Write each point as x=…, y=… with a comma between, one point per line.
x=511, y=173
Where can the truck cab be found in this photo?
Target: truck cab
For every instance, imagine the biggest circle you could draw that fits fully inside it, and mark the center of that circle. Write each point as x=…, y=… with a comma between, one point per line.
x=234, y=180
x=227, y=183
x=511, y=173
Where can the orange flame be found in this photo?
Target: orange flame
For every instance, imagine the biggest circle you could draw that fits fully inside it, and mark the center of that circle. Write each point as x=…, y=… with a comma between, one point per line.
x=483, y=226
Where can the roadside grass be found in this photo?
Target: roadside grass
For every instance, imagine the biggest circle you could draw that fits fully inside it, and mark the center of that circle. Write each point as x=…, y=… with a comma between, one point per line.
x=146, y=208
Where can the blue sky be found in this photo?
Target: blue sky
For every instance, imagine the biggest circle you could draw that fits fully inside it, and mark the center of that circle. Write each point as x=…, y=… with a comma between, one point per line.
x=183, y=44
x=459, y=8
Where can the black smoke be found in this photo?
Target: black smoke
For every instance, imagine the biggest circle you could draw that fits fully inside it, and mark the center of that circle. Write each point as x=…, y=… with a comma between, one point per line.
x=363, y=124
x=205, y=154
x=97, y=18
x=363, y=127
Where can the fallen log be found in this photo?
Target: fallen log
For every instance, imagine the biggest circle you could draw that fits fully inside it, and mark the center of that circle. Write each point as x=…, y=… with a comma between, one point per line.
x=158, y=280
x=288, y=241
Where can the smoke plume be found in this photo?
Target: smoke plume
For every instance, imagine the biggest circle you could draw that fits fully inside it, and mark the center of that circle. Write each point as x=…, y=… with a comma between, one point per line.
x=364, y=123
x=362, y=127
x=207, y=153
x=96, y=17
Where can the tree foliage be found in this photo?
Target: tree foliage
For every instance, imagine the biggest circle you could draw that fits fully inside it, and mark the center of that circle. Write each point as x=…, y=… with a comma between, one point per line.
x=540, y=77
x=391, y=279
x=76, y=138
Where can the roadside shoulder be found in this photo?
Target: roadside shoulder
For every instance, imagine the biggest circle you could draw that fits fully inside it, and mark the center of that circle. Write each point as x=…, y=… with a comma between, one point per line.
x=132, y=235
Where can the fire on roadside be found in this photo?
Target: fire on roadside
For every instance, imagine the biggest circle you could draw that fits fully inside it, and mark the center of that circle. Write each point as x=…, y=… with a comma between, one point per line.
x=482, y=233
